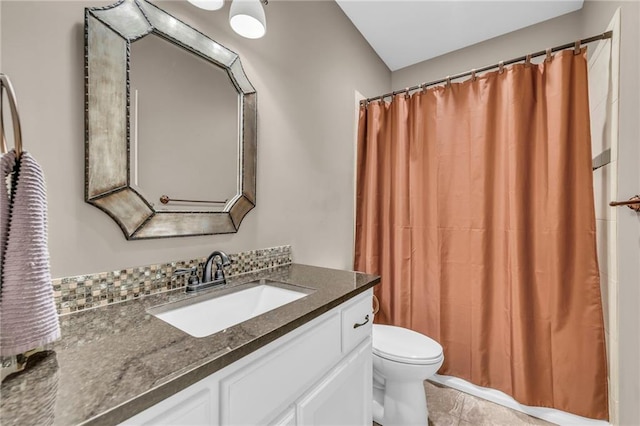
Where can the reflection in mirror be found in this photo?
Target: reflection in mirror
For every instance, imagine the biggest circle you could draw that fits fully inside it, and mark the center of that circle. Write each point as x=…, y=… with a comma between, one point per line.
x=154, y=124
x=184, y=127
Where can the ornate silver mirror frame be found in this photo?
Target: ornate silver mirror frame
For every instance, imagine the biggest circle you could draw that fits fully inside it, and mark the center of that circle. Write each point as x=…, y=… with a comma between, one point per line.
x=109, y=32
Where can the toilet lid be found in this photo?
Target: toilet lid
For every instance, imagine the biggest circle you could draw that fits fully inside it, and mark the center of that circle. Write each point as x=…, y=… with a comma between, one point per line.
x=404, y=345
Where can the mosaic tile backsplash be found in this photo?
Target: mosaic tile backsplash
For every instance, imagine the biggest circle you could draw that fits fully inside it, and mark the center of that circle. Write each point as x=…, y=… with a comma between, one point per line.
x=72, y=294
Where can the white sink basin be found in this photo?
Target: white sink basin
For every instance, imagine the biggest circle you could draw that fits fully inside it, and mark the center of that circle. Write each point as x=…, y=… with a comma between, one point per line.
x=206, y=314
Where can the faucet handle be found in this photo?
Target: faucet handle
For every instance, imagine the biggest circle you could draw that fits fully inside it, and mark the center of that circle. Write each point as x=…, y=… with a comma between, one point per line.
x=219, y=272
x=193, y=277
x=184, y=271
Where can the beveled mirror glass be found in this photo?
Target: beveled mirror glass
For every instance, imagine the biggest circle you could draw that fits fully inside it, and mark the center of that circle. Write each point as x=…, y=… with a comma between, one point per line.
x=166, y=83
x=146, y=136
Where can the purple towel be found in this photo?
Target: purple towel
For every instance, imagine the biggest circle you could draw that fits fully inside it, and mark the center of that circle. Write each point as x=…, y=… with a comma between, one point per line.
x=28, y=318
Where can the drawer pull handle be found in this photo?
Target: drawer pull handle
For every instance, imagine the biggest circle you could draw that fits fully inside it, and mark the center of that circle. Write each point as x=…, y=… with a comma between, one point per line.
x=366, y=320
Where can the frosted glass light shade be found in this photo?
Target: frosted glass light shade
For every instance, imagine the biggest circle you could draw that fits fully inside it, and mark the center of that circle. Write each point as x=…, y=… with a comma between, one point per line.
x=247, y=18
x=208, y=4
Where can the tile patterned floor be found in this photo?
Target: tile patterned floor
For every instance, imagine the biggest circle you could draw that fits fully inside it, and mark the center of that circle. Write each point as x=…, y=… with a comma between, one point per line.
x=449, y=407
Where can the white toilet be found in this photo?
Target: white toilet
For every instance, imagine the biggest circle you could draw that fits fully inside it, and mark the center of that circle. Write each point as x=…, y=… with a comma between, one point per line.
x=402, y=360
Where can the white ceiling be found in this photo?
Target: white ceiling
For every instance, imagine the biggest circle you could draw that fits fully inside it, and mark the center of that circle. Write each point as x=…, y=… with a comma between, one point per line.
x=405, y=32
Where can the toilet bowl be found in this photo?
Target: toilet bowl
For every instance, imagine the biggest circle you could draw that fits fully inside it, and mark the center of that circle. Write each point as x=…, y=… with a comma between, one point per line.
x=402, y=360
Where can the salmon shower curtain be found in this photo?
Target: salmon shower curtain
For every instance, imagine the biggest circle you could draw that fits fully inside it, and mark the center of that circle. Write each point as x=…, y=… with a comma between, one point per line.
x=475, y=205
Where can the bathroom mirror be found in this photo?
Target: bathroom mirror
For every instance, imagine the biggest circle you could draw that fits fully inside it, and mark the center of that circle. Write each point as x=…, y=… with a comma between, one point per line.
x=168, y=112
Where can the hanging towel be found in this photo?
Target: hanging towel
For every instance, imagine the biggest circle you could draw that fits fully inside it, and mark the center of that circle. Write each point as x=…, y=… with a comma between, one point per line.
x=7, y=163
x=28, y=318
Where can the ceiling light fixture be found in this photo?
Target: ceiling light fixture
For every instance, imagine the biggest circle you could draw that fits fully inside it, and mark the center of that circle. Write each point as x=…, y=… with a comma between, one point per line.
x=246, y=17
x=208, y=4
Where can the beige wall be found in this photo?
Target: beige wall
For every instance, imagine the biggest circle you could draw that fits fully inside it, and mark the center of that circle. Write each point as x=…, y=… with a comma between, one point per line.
x=592, y=19
x=628, y=222
x=306, y=71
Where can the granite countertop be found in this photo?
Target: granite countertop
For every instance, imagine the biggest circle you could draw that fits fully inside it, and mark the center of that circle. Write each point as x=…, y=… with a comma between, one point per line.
x=115, y=361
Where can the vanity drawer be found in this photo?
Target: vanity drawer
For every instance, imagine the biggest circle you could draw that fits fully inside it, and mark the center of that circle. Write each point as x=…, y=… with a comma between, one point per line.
x=256, y=394
x=357, y=320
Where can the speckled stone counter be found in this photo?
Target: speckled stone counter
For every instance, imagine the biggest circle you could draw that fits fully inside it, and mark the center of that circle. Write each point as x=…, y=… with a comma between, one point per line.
x=115, y=361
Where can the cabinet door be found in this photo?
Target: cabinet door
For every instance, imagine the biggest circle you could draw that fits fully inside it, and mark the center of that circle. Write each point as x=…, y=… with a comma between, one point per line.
x=344, y=397
x=191, y=407
x=258, y=392
x=288, y=419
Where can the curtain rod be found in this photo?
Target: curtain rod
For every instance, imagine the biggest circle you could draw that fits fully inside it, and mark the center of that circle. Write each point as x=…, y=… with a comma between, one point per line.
x=500, y=64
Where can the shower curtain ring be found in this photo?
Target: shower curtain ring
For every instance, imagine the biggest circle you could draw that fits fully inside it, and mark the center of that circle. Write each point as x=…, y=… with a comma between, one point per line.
x=549, y=57
x=501, y=67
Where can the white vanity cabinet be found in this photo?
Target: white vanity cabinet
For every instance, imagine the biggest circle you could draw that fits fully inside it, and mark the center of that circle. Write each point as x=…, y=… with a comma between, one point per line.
x=340, y=398
x=318, y=374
